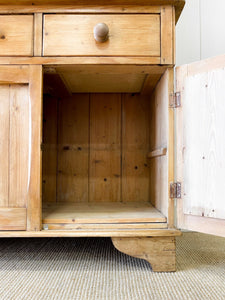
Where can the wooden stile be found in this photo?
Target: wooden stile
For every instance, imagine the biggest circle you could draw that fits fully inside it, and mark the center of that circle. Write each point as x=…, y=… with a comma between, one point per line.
x=38, y=22
x=34, y=192
x=4, y=145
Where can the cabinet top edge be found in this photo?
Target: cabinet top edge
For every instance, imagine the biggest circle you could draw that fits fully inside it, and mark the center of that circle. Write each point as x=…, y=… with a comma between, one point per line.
x=29, y=6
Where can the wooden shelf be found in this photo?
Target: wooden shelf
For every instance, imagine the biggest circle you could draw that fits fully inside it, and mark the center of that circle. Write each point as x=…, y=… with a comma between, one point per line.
x=102, y=213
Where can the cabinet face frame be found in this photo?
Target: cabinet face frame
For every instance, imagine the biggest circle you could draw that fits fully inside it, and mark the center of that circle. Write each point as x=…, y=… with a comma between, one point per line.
x=32, y=76
x=167, y=19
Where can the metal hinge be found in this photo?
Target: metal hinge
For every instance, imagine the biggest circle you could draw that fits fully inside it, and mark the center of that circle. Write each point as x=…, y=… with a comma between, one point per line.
x=175, y=100
x=45, y=226
x=175, y=190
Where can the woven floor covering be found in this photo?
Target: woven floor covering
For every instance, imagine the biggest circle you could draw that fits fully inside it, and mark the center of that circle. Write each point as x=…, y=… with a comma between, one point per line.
x=91, y=268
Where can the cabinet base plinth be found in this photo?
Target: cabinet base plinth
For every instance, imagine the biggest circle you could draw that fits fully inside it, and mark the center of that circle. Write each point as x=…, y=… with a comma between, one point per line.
x=160, y=252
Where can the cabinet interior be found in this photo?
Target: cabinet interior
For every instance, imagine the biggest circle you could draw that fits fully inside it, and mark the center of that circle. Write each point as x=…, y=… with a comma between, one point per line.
x=104, y=151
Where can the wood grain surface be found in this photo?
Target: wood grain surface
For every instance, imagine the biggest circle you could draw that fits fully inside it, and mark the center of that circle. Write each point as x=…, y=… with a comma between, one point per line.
x=129, y=35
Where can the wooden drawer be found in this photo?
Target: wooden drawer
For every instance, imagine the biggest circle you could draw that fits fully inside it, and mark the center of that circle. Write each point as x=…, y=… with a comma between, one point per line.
x=129, y=35
x=16, y=35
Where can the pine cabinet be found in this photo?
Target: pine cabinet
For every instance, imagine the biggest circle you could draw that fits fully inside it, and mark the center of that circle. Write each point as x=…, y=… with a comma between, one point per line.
x=94, y=141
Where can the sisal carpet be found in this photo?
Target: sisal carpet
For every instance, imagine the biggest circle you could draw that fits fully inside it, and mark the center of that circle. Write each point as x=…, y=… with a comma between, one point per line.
x=91, y=268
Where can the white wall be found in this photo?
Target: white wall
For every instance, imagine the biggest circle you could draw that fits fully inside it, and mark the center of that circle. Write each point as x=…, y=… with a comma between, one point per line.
x=200, y=31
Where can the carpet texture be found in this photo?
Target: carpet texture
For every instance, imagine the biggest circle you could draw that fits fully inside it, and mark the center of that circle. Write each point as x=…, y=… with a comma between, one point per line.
x=91, y=268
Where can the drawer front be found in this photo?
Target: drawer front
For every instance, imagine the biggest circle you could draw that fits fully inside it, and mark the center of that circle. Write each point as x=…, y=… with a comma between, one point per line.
x=16, y=35
x=129, y=35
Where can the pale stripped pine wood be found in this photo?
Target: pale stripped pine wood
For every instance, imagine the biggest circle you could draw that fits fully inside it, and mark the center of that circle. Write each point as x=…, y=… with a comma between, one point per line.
x=203, y=224
x=13, y=218
x=105, y=227
x=105, y=148
x=135, y=147
x=23, y=121
x=93, y=233
x=167, y=31
x=174, y=35
x=206, y=65
x=89, y=60
x=171, y=150
x=19, y=152
x=105, y=78
x=4, y=145
x=92, y=6
x=103, y=83
x=16, y=37
x=78, y=9
x=159, y=137
x=38, y=34
x=201, y=146
x=160, y=252
x=150, y=82
x=15, y=134
x=103, y=69
x=73, y=149
x=49, y=152
x=107, y=212
x=159, y=183
x=66, y=35
x=181, y=74
x=87, y=2
x=14, y=74
x=157, y=152
x=37, y=168
x=35, y=186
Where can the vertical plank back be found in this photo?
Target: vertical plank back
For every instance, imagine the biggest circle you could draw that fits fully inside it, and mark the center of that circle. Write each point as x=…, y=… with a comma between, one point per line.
x=105, y=148
x=73, y=149
x=135, y=146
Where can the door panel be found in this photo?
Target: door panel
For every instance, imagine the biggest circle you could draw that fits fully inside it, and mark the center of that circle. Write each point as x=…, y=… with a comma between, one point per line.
x=17, y=123
x=14, y=156
x=4, y=145
x=13, y=218
x=19, y=134
x=201, y=146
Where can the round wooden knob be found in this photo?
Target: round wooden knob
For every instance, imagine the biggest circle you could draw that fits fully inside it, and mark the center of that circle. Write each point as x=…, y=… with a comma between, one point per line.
x=101, y=32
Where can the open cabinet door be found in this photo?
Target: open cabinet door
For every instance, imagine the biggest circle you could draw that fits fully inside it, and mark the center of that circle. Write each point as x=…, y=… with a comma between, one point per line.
x=20, y=139
x=200, y=132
